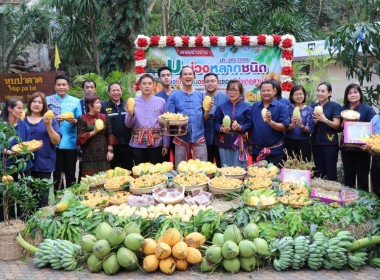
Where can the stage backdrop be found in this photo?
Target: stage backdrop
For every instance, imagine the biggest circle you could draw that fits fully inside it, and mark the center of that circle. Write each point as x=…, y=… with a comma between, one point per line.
x=250, y=59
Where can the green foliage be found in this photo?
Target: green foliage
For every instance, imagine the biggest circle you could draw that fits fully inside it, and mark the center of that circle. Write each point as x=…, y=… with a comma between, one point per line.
x=316, y=73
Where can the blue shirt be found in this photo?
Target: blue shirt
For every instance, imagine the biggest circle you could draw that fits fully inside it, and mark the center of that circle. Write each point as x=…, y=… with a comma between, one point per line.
x=219, y=98
x=284, y=101
x=307, y=120
x=376, y=123
x=366, y=111
x=241, y=112
x=44, y=158
x=323, y=134
x=163, y=95
x=263, y=135
x=62, y=105
x=189, y=104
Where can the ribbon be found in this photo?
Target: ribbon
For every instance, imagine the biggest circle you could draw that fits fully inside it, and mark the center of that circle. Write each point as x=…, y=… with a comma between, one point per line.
x=239, y=142
x=266, y=150
x=189, y=146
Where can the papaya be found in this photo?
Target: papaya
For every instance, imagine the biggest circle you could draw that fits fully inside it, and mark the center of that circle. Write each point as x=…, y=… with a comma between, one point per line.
x=206, y=103
x=296, y=112
x=64, y=203
x=131, y=105
x=49, y=114
x=99, y=124
x=67, y=115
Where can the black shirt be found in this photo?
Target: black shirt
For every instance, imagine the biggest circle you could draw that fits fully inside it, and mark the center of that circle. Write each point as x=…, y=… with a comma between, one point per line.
x=116, y=113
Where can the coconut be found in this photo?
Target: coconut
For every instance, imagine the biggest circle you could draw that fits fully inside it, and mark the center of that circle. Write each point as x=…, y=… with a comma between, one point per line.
x=261, y=246
x=116, y=236
x=172, y=236
x=230, y=250
x=151, y=263
x=181, y=265
x=110, y=265
x=246, y=248
x=87, y=242
x=102, y=231
x=231, y=265
x=218, y=239
x=94, y=264
x=206, y=265
x=149, y=246
x=214, y=253
x=180, y=250
x=248, y=264
x=163, y=250
x=101, y=249
x=133, y=241
x=167, y=265
x=232, y=233
x=132, y=228
x=251, y=231
x=126, y=258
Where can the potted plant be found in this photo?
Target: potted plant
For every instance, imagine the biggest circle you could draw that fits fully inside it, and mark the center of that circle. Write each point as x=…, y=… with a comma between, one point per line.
x=17, y=198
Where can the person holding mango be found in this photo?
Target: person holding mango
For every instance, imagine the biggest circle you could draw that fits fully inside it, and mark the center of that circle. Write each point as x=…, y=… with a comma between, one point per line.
x=95, y=138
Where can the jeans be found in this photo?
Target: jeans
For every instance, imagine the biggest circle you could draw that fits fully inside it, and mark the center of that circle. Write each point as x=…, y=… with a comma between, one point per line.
x=230, y=157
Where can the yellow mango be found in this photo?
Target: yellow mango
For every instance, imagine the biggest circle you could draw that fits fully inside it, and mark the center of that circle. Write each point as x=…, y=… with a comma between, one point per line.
x=23, y=114
x=67, y=115
x=318, y=109
x=296, y=112
x=263, y=114
x=99, y=124
x=131, y=105
x=49, y=114
x=206, y=103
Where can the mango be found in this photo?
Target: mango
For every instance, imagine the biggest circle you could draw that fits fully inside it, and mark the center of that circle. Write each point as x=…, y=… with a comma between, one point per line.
x=131, y=105
x=263, y=114
x=23, y=114
x=296, y=112
x=206, y=103
x=226, y=121
x=67, y=115
x=318, y=109
x=49, y=114
x=99, y=124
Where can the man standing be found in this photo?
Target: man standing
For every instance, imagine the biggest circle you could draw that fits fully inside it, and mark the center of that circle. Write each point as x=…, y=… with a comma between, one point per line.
x=88, y=88
x=66, y=152
x=189, y=102
x=218, y=98
x=165, y=77
x=268, y=131
x=115, y=109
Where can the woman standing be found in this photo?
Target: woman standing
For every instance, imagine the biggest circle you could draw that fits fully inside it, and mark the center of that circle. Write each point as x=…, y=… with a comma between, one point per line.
x=325, y=135
x=45, y=129
x=148, y=145
x=356, y=162
x=298, y=133
x=96, y=144
x=232, y=140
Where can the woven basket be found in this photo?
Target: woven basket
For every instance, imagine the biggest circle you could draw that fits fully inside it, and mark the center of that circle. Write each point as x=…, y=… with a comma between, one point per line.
x=96, y=188
x=193, y=187
x=170, y=203
x=173, y=122
x=236, y=176
x=147, y=190
x=14, y=148
x=215, y=190
x=10, y=249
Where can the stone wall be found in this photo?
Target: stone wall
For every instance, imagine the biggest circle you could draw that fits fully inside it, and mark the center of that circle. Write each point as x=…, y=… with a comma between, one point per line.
x=34, y=58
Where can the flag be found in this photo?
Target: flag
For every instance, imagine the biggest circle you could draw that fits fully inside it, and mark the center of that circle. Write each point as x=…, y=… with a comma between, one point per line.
x=57, y=60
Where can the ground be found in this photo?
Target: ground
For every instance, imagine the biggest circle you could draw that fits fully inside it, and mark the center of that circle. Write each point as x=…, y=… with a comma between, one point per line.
x=21, y=270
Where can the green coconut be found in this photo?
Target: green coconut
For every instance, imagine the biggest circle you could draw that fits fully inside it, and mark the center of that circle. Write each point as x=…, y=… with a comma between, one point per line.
x=116, y=236
x=102, y=231
x=231, y=265
x=230, y=250
x=232, y=233
x=110, y=265
x=87, y=242
x=132, y=228
x=218, y=239
x=246, y=248
x=261, y=246
x=133, y=241
x=94, y=264
x=206, y=265
x=101, y=249
x=126, y=258
x=251, y=231
x=248, y=264
x=214, y=253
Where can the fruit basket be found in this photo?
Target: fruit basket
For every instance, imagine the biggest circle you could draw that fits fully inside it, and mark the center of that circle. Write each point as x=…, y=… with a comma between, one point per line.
x=263, y=172
x=223, y=185
x=31, y=146
x=191, y=181
x=256, y=183
x=146, y=183
x=233, y=172
x=173, y=124
x=117, y=183
x=374, y=143
x=119, y=198
x=350, y=115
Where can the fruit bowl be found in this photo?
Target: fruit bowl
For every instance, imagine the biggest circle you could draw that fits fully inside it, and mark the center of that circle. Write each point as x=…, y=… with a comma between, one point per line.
x=31, y=146
x=350, y=115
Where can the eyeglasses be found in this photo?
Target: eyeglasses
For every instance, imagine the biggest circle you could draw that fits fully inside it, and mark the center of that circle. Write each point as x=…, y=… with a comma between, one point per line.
x=233, y=90
x=210, y=81
x=298, y=94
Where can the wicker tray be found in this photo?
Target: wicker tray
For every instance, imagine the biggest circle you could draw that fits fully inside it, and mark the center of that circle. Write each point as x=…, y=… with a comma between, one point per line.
x=29, y=151
x=215, y=190
x=170, y=203
x=261, y=206
x=193, y=187
x=147, y=190
x=174, y=127
x=236, y=176
x=173, y=122
x=95, y=188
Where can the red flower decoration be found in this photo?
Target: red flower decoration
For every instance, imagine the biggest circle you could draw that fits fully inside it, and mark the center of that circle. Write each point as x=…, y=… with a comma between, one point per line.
x=199, y=40
x=287, y=55
x=139, y=54
x=142, y=42
x=287, y=86
x=154, y=40
x=261, y=39
x=137, y=86
x=214, y=40
x=276, y=39
x=287, y=71
x=244, y=39
x=230, y=40
x=287, y=43
x=185, y=41
x=139, y=70
x=170, y=41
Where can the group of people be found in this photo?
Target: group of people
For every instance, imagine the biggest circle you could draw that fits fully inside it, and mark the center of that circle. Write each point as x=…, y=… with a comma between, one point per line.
x=133, y=135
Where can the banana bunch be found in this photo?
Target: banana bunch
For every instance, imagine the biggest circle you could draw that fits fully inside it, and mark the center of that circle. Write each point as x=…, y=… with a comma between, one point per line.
x=357, y=258
x=58, y=253
x=336, y=253
x=285, y=247
x=375, y=262
x=301, y=251
x=317, y=250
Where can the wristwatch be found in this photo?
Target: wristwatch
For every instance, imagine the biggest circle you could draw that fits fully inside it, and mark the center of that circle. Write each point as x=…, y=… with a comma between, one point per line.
x=110, y=150
x=327, y=122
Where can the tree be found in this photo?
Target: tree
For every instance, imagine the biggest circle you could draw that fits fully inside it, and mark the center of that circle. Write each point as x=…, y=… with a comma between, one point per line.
x=357, y=47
